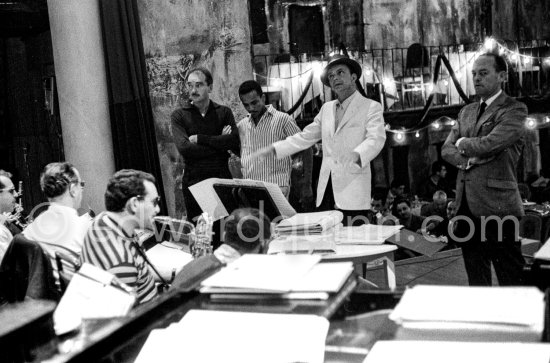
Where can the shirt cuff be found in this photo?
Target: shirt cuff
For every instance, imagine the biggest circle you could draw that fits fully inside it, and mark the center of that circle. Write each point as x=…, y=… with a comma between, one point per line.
x=457, y=144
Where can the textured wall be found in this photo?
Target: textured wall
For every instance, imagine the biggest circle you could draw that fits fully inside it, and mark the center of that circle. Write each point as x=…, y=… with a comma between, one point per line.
x=178, y=35
x=521, y=19
x=399, y=23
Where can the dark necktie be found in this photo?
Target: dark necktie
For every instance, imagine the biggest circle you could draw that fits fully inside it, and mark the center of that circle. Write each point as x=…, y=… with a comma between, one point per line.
x=482, y=108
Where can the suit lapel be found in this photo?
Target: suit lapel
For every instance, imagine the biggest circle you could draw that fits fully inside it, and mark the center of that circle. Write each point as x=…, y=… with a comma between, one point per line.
x=491, y=109
x=350, y=112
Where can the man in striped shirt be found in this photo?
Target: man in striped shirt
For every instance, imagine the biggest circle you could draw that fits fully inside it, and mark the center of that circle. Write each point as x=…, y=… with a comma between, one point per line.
x=131, y=200
x=262, y=127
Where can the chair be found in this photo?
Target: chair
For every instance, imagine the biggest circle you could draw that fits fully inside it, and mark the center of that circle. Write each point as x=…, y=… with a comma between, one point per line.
x=66, y=267
x=524, y=191
x=530, y=231
x=416, y=74
x=530, y=226
x=26, y=271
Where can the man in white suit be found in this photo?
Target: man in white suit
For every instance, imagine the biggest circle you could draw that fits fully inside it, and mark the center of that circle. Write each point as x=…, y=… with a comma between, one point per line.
x=352, y=132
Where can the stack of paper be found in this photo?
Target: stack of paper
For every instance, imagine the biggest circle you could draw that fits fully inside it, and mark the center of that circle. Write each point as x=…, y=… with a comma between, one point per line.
x=457, y=352
x=470, y=313
x=367, y=234
x=168, y=259
x=218, y=336
x=92, y=294
x=310, y=223
x=289, y=276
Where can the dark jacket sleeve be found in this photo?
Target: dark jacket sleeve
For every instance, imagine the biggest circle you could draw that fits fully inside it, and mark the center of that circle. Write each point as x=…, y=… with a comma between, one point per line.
x=186, y=148
x=223, y=142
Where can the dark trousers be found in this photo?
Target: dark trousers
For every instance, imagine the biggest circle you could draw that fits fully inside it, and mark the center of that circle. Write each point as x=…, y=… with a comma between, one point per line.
x=504, y=252
x=351, y=217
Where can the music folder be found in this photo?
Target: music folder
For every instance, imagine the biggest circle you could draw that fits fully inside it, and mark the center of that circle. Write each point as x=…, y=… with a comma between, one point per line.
x=219, y=197
x=416, y=242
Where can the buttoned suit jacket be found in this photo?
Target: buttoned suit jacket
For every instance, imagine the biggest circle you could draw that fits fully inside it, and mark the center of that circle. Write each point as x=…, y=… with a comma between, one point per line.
x=495, y=143
x=361, y=130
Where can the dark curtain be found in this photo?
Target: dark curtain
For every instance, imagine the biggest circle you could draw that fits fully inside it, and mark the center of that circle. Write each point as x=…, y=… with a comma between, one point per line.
x=132, y=123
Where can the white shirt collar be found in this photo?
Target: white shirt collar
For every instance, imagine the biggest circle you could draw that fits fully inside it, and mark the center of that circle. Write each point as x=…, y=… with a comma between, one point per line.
x=492, y=98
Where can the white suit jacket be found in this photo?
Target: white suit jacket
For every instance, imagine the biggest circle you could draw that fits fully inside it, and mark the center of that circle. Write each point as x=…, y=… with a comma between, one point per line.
x=361, y=130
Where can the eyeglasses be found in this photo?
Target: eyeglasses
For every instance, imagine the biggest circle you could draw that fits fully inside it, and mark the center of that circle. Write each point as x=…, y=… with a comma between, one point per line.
x=12, y=191
x=155, y=201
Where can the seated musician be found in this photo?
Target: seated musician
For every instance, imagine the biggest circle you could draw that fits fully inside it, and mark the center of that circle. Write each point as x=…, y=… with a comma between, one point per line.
x=131, y=200
x=7, y=205
x=59, y=228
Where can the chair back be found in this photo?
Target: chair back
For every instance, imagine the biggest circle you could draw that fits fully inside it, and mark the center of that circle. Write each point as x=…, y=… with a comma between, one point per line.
x=26, y=271
x=417, y=56
x=524, y=191
x=66, y=267
x=530, y=226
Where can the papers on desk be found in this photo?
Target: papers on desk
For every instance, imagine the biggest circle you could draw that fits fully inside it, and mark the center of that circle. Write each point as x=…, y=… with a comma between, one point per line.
x=292, y=275
x=470, y=313
x=544, y=252
x=366, y=234
x=167, y=257
x=457, y=352
x=92, y=294
x=310, y=223
x=218, y=336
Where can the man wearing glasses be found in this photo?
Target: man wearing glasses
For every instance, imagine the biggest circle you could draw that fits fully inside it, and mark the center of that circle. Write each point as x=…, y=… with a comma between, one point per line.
x=59, y=228
x=203, y=132
x=7, y=205
x=111, y=243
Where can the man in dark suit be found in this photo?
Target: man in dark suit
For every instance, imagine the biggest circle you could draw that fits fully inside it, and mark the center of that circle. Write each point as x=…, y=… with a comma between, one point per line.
x=485, y=146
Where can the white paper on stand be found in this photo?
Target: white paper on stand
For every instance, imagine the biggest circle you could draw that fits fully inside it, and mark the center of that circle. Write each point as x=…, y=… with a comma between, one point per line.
x=208, y=199
x=457, y=352
x=239, y=337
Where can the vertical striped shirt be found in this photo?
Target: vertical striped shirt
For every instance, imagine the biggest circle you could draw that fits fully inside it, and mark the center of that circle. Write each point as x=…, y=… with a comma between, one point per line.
x=107, y=246
x=273, y=126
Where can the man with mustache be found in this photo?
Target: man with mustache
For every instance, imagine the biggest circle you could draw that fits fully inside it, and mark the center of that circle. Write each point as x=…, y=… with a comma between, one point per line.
x=203, y=132
x=352, y=132
x=485, y=145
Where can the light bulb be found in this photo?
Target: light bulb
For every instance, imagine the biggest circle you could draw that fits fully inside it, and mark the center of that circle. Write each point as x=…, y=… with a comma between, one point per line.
x=530, y=123
x=489, y=43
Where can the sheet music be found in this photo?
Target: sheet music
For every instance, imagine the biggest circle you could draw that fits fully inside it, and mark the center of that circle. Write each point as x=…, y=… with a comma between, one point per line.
x=277, y=273
x=457, y=352
x=209, y=201
x=239, y=337
x=165, y=259
x=90, y=296
x=489, y=305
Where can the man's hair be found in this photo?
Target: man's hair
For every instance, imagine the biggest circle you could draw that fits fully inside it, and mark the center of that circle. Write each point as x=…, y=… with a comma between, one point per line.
x=402, y=200
x=436, y=167
x=379, y=195
x=123, y=185
x=206, y=72
x=5, y=174
x=500, y=62
x=246, y=228
x=249, y=86
x=439, y=194
x=56, y=178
